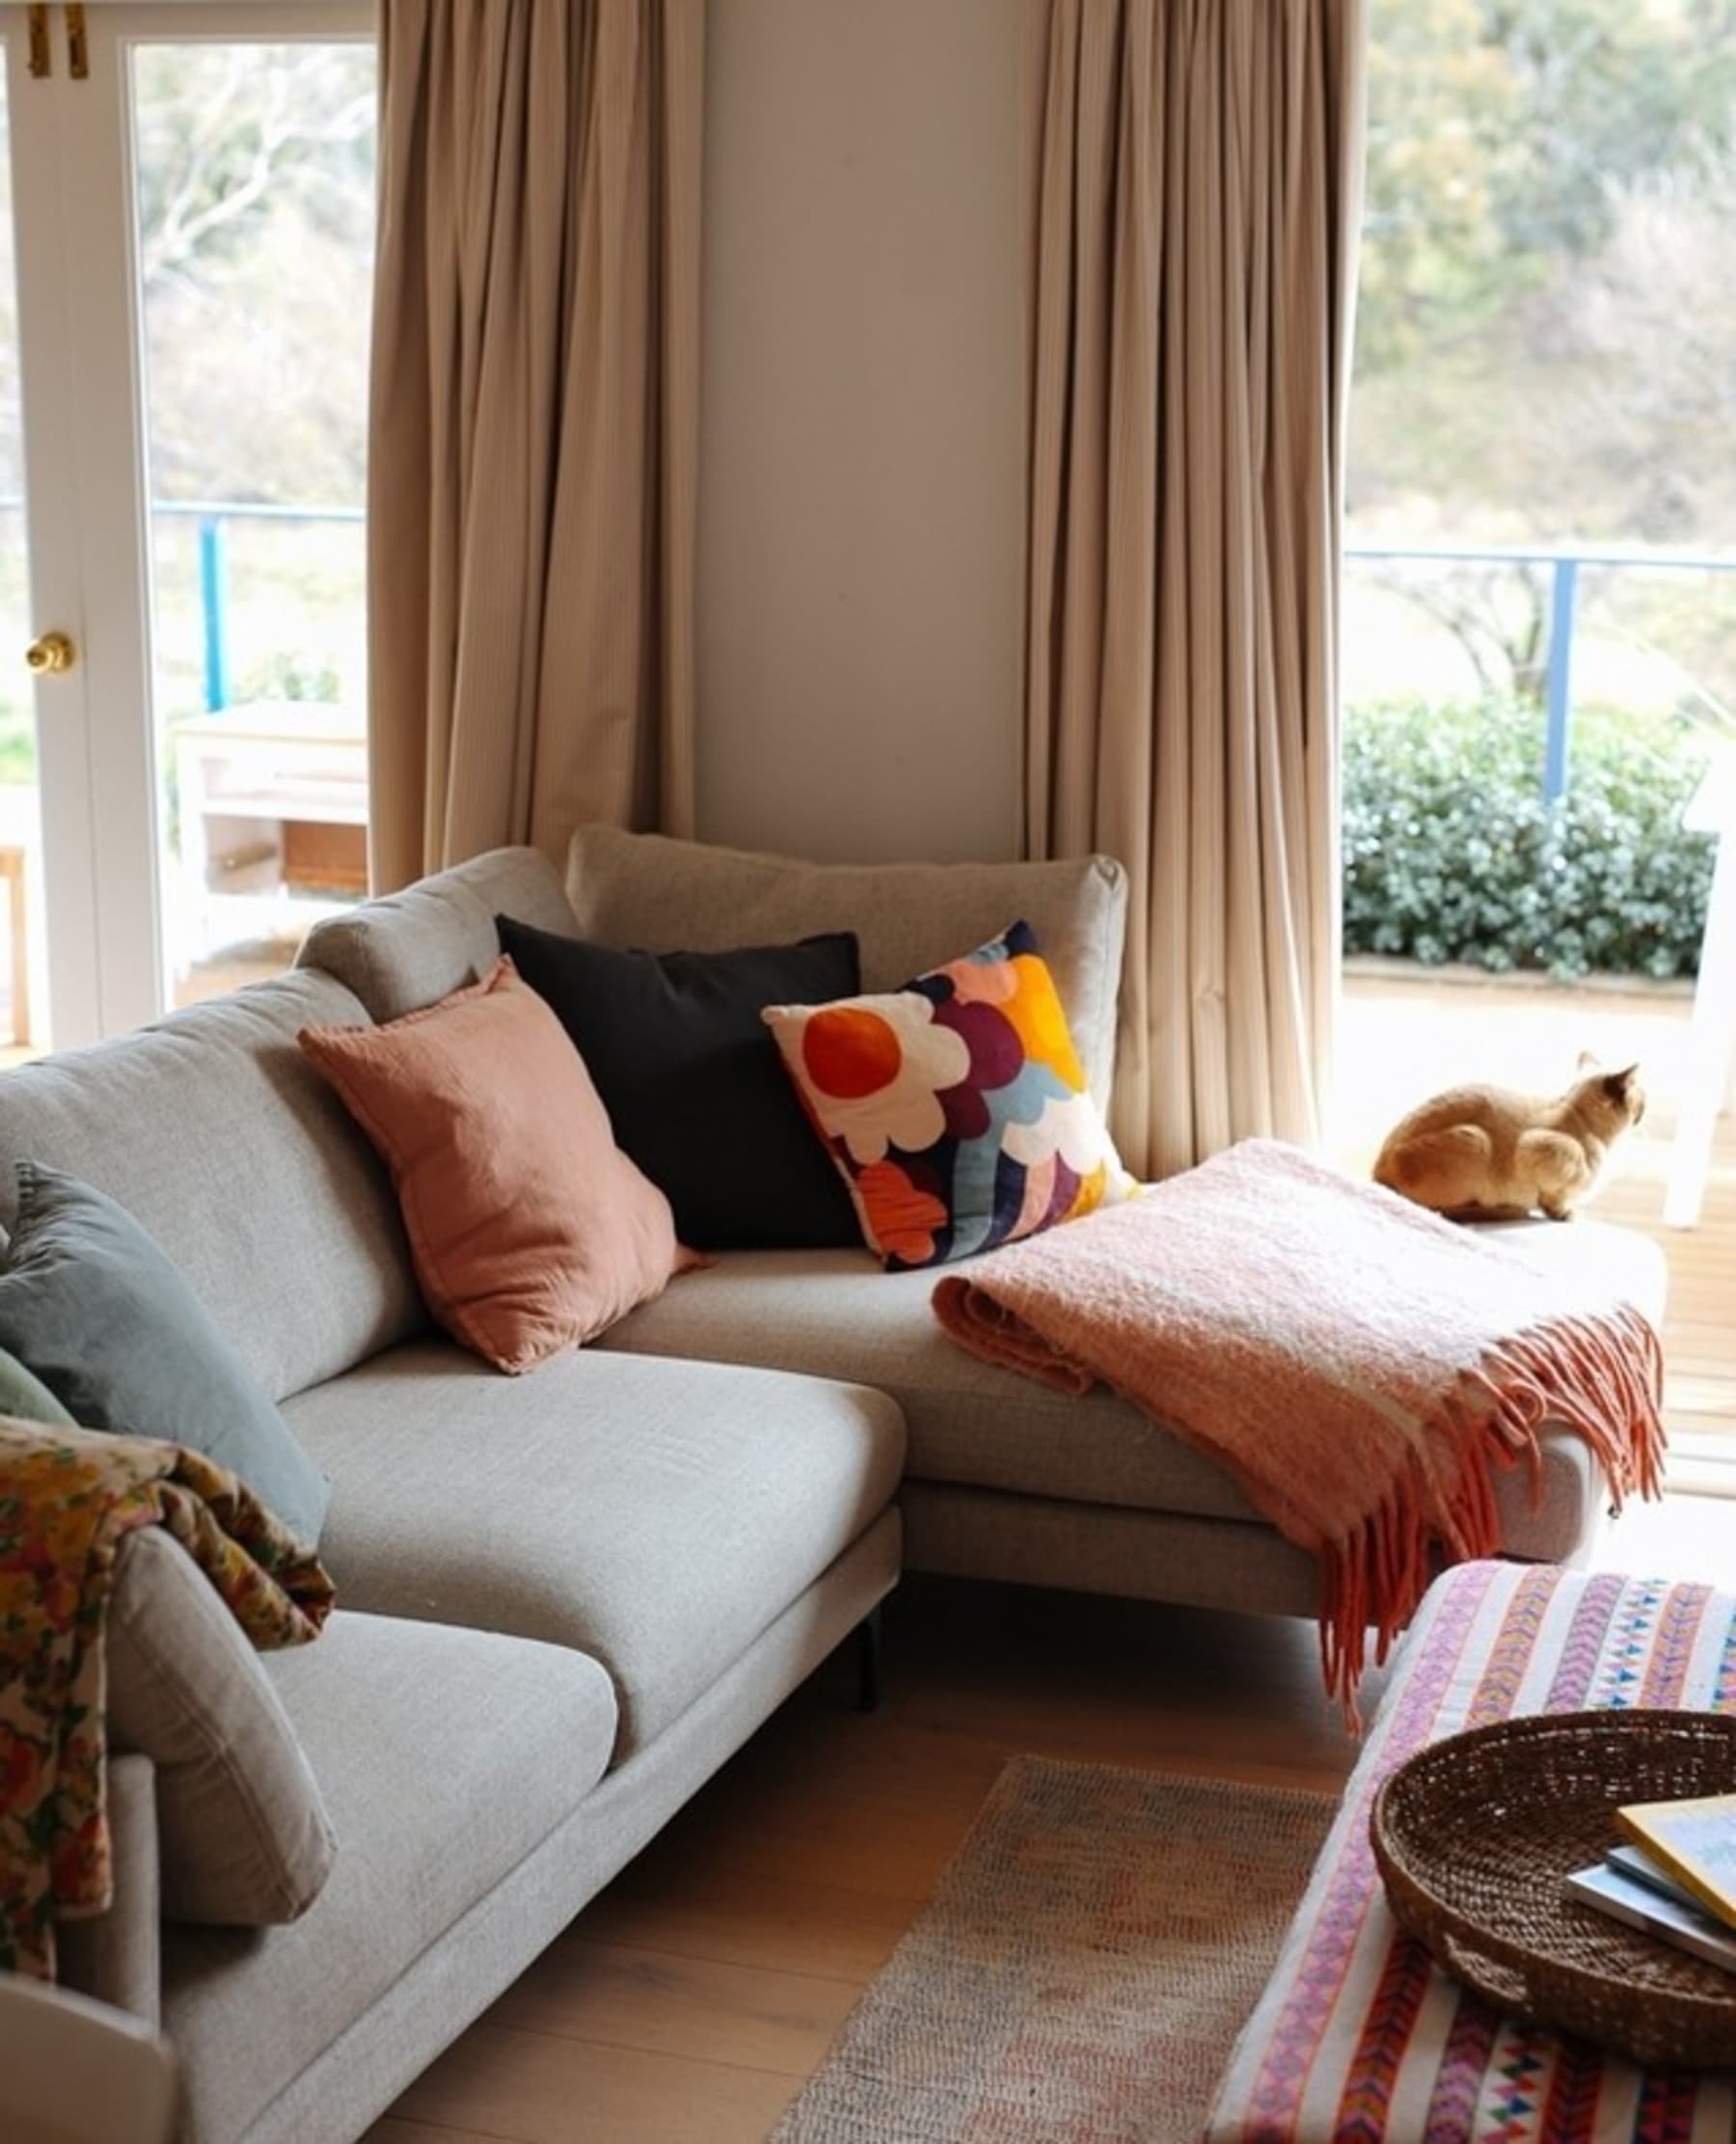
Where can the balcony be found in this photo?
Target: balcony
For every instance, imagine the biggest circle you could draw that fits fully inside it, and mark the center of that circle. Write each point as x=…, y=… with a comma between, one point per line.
x=1536, y=816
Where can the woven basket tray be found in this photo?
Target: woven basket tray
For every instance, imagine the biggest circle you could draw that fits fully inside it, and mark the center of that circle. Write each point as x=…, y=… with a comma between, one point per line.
x=1474, y=1834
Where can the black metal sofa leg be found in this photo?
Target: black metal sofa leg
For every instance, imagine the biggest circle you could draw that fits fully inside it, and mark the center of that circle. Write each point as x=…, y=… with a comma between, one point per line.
x=868, y=1660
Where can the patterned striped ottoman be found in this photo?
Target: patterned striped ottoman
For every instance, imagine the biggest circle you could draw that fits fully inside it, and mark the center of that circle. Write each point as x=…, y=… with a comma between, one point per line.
x=1357, y=2035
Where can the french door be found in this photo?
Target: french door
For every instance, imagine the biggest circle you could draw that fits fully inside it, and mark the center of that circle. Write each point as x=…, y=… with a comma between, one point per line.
x=184, y=269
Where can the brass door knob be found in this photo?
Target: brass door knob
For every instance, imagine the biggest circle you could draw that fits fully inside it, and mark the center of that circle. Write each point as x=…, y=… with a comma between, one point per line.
x=50, y=656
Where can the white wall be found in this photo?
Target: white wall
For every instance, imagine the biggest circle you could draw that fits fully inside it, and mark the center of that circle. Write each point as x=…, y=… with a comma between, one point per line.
x=862, y=445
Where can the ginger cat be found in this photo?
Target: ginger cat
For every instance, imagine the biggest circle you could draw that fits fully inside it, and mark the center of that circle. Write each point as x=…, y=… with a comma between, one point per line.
x=1486, y=1154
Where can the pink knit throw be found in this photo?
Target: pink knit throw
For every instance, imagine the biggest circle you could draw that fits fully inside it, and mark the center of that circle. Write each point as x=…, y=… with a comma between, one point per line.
x=1359, y=1366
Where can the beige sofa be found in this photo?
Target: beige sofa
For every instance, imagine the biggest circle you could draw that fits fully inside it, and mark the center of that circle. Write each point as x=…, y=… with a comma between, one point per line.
x=564, y=1598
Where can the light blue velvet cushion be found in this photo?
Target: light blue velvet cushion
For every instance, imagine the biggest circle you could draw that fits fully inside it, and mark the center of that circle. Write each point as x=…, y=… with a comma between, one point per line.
x=25, y=1398
x=94, y=1309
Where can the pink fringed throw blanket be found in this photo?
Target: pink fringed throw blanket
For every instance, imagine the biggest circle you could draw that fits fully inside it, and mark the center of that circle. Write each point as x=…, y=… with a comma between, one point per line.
x=1358, y=1365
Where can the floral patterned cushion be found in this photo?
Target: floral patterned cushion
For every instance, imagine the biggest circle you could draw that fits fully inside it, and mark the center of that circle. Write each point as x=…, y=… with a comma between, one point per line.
x=955, y=1108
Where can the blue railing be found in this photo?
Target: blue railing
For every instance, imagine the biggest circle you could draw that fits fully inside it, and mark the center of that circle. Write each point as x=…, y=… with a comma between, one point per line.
x=1563, y=562
x=1563, y=611
x=214, y=516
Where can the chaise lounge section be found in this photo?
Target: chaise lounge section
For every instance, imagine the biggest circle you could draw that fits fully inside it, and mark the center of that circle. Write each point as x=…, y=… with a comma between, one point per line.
x=1006, y=1478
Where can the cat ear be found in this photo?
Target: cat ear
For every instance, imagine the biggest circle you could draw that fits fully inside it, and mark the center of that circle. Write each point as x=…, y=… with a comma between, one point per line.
x=1589, y=1061
x=1617, y=1084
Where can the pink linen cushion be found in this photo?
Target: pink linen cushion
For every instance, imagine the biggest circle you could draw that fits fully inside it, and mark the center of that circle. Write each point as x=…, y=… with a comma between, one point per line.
x=530, y=1231
x=956, y=1109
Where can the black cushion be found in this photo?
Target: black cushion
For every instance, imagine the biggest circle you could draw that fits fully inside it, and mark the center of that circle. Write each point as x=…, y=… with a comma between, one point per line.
x=691, y=1080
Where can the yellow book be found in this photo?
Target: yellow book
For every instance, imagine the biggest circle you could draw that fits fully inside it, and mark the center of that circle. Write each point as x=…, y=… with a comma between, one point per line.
x=1695, y=1841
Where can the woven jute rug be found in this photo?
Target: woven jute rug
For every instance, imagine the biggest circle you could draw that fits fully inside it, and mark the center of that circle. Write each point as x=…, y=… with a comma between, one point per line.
x=1082, y=1971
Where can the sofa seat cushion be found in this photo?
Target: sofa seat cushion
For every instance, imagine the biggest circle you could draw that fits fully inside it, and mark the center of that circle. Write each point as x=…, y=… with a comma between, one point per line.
x=658, y=1515
x=833, y=1313
x=418, y=1737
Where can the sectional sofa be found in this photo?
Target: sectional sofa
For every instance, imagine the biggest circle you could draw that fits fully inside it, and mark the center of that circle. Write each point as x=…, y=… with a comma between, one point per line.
x=566, y=1597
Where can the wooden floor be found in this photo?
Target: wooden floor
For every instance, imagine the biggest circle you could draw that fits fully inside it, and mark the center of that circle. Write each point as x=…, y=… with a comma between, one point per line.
x=689, y=2000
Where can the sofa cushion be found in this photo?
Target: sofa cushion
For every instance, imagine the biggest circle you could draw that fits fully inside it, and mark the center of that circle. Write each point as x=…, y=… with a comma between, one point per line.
x=225, y=1144
x=647, y=890
x=955, y=1108
x=659, y=1515
x=242, y=1831
x=445, y=1757
x=690, y=1079
x=407, y=949
x=24, y=1396
x=120, y=1338
x=833, y=1313
x=531, y=1231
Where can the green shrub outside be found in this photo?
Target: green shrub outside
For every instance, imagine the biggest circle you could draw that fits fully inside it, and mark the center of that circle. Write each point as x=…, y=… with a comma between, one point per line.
x=1450, y=852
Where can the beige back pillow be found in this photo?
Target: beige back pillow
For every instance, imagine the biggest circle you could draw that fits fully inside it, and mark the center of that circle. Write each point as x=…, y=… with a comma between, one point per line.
x=243, y=1833
x=665, y=896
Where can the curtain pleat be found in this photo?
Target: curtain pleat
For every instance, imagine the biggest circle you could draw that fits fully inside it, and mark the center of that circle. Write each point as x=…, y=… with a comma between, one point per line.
x=1192, y=182
x=534, y=417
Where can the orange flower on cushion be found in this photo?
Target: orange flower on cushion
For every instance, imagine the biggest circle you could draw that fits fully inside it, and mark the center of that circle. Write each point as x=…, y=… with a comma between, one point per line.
x=872, y=1070
x=850, y=1052
x=901, y=1216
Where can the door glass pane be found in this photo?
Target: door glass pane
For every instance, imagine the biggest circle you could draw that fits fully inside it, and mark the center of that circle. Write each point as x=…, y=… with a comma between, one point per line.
x=255, y=202
x=20, y=844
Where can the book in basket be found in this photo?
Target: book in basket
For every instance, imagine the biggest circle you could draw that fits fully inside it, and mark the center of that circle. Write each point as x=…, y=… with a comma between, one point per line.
x=1640, y=1906
x=1636, y=1862
x=1696, y=1842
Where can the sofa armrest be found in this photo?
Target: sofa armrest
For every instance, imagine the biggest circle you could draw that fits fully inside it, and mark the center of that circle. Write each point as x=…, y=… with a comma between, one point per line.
x=118, y=1957
x=242, y=1833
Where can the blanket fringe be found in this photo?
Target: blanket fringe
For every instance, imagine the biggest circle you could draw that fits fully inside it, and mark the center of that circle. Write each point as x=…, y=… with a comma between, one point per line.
x=1600, y=1375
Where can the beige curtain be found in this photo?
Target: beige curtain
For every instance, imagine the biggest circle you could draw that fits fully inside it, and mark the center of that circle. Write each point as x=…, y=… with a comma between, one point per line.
x=1193, y=174
x=533, y=423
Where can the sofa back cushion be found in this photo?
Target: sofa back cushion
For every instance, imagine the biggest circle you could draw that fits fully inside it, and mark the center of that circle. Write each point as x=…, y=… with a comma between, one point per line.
x=241, y=1827
x=409, y=949
x=648, y=892
x=216, y=1134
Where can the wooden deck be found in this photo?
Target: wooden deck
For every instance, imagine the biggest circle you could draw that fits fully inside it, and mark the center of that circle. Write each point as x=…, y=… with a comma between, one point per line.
x=1404, y=1036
